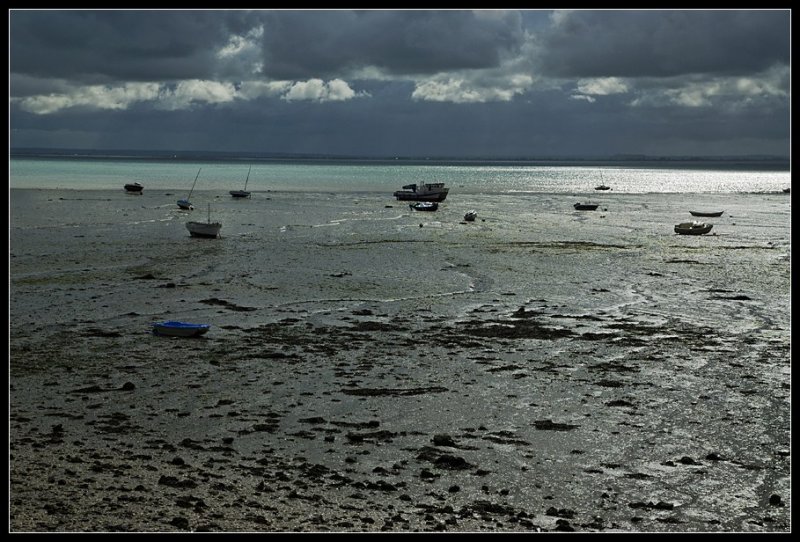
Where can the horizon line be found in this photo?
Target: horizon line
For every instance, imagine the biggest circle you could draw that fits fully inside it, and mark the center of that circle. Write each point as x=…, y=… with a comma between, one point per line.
x=186, y=154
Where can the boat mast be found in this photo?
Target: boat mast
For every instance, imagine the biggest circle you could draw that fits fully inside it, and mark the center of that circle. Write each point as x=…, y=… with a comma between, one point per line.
x=248, y=177
x=194, y=183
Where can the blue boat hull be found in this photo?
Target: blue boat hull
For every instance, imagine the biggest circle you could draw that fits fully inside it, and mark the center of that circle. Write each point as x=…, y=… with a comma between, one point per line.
x=174, y=328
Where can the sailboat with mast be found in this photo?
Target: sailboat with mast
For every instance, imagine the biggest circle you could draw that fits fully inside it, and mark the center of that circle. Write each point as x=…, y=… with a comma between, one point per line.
x=242, y=193
x=204, y=229
x=186, y=203
x=602, y=186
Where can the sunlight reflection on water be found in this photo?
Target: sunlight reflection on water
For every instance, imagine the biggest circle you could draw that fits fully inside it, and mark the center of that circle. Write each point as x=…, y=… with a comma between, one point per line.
x=368, y=177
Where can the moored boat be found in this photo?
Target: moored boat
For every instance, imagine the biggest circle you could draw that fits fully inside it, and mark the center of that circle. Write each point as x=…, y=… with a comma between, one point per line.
x=706, y=213
x=470, y=216
x=424, y=206
x=185, y=203
x=135, y=187
x=209, y=230
x=422, y=192
x=202, y=229
x=174, y=328
x=242, y=193
x=602, y=187
x=586, y=206
x=693, y=228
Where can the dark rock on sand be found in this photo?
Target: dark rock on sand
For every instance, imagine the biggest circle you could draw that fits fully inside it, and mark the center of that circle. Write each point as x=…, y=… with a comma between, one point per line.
x=443, y=440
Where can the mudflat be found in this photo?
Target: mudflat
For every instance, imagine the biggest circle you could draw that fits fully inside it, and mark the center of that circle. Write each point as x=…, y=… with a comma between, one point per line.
x=370, y=368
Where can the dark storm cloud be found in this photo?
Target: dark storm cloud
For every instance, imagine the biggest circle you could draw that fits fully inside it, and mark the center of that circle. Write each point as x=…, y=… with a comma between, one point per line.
x=118, y=45
x=302, y=44
x=99, y=47
x=385, y=83
x=664, y=43
x=25, y=85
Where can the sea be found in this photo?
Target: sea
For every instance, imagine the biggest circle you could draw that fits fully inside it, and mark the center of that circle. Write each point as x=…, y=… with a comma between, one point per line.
x=76, y=171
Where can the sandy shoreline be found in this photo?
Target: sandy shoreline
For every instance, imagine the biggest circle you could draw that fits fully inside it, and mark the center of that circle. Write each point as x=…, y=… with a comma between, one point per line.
x=370, y=369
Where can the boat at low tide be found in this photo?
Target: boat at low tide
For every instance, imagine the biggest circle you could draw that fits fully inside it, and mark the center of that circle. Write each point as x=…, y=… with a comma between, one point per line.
x=136, y=187
x=422, y=192
x=706, y=213
x=242, y=193
x=209, y=230
x=424, y=206
x=586, y=206
x=470, y=216
x=186, y=204
x=174, y=328
x=693, y=228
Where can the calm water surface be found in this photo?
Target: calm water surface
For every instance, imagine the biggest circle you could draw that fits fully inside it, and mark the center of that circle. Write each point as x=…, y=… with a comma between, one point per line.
x=94, y=174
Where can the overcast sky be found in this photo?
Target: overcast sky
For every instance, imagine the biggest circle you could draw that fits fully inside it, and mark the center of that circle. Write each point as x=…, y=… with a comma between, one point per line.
x=403, y=82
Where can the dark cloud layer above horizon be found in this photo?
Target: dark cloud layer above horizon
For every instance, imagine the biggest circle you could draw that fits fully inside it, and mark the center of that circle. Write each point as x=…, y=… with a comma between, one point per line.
x=408, y=82
x=104, y=46
x=319, y=44
x=666, y=43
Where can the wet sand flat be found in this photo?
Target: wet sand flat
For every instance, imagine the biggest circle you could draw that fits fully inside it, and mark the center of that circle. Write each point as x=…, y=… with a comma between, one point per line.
x=372, y=368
